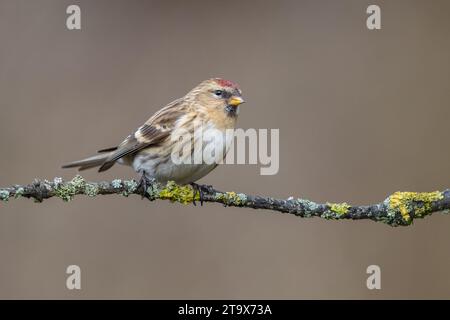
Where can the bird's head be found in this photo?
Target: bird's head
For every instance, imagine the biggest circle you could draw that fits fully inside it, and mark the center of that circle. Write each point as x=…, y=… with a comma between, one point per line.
x=220, y=94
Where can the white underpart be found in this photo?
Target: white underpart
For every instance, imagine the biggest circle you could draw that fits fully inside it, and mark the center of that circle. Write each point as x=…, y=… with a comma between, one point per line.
x=209, y=141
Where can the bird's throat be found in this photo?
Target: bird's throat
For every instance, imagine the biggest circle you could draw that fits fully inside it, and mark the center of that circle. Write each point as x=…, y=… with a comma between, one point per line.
x=232, y=111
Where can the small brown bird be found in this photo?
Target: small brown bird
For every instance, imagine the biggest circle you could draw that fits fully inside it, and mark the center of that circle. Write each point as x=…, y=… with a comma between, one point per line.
x=212, y=106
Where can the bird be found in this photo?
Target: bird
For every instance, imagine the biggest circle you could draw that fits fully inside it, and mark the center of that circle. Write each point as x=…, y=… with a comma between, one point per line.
x=213, y=106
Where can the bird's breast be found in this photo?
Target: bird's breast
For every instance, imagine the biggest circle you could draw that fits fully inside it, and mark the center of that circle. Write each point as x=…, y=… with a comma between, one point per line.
x=190, y=156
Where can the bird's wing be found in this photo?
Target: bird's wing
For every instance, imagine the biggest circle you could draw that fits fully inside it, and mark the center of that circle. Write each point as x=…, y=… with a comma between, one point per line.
x=153, y=132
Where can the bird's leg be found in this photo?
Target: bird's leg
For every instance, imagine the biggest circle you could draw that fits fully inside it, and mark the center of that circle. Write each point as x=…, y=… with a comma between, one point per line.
x=196, y=189
x=201, y=189
x=208, y=188
x=143, y=183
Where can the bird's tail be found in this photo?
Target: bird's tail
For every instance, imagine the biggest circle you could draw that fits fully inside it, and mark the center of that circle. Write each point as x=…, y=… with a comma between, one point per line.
x=91, y=162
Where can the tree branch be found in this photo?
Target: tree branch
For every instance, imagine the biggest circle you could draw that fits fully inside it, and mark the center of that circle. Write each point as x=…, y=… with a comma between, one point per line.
x=399, y=209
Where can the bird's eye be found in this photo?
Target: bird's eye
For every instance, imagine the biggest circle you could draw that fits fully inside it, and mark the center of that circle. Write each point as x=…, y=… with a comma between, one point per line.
x=218, y=93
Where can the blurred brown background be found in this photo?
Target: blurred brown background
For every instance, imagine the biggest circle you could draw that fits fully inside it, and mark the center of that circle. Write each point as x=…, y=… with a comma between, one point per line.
x=361, y=114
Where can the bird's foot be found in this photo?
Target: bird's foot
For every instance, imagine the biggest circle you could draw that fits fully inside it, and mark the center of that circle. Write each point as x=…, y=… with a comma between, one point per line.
x=144, y=183
x=201, y=189
x=196, y=189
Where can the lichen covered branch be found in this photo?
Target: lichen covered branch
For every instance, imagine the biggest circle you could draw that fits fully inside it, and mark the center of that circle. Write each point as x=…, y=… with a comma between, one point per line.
x=399, y=209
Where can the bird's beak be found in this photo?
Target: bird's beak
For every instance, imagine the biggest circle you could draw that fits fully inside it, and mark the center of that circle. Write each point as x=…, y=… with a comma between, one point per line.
x=235, y=101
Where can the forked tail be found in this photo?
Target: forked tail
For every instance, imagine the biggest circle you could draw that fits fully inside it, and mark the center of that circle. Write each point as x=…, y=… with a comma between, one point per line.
x=88, y=163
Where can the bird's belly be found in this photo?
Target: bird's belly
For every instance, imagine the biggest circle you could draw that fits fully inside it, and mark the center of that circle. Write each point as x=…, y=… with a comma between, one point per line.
x=160, y=166
x=164, y=170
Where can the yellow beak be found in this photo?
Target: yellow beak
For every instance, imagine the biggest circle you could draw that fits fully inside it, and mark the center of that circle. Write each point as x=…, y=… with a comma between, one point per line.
x=235, y=101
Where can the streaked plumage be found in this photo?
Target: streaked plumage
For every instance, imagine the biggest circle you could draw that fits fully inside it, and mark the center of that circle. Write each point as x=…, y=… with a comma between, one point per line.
x=148, y=150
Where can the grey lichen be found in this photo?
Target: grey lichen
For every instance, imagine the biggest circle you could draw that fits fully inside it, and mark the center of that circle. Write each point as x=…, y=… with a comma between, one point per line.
x=116, y=183
x=91, y=190
x=66, y=191
x=57, y=181
x=329, y=215
x=130, y=187
x=48, y=185
x=4, y=195
x=19, y=192
x=153, y=190
x=308, y=207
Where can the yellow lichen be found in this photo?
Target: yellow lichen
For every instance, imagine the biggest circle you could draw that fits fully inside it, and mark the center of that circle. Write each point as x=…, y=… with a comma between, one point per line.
x=176, y=193
x=407, y=203
x=339, y=208
x=232, y=197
